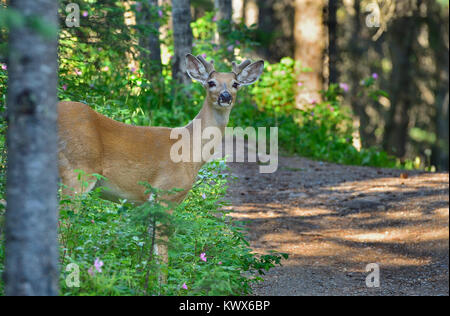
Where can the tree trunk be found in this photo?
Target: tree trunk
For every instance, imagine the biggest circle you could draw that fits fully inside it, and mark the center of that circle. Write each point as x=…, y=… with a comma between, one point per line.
x=404, y=32
x=182, y=36
x=238, y=10
x=31, y=264
x=251, y=12
x=439, y=28
x=310, y=44
x=224, y=18
x=266, y=28
x=149, y=40
x=332, y=41
x=357, y=48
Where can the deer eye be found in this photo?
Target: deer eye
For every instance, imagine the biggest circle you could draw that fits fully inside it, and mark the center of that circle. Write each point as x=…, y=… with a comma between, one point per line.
x=235, y=85
x=211, y=84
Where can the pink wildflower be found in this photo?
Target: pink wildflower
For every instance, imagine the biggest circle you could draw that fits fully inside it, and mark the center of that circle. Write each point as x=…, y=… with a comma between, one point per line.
x=98, y=264
x=78, y=72
x=64, y=87
x=300, y=84
x=4, y=67
x=203, y=256
x=214, y=19
x=184, y=286
x=85, y=13
x=160, y=13
x=220, y=262
x=230, y=48
x=344, y=86
x=375, y=76
x=91, y=271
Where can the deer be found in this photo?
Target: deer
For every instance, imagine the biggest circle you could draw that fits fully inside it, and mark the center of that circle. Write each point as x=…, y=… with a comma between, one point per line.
x=127, y=155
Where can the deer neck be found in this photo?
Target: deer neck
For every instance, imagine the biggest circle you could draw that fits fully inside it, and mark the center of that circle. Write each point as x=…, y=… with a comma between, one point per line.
x=209, y=117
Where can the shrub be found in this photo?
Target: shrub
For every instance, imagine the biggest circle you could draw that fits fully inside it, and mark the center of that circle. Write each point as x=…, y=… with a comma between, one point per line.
x=111, y=244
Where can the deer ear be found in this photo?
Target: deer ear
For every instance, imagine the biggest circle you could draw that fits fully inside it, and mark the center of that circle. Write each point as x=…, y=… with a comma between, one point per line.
x=195, y=68
x=251, y=73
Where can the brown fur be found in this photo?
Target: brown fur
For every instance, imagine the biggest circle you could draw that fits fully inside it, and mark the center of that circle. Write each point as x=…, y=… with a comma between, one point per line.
x=126, y=155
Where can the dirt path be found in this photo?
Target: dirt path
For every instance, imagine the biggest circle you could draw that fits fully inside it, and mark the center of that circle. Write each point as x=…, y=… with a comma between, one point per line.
x=333, y=220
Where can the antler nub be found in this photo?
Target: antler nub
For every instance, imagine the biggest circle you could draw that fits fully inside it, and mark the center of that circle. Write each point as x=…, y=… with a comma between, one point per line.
x=237, y=69
x=208, y=65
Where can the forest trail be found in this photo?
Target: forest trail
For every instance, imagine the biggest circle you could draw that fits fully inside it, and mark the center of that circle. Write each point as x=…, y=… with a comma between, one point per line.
x=333, y=220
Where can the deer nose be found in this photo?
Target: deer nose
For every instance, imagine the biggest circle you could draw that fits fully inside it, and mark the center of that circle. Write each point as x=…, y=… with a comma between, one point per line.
x=225, y=97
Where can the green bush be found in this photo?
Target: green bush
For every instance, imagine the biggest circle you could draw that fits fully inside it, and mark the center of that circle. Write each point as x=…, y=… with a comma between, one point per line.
x=111, y=244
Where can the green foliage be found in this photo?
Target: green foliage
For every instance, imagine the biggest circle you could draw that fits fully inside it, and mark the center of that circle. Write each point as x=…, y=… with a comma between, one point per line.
x=96, y=68
x=112, y=243
x=276, y=90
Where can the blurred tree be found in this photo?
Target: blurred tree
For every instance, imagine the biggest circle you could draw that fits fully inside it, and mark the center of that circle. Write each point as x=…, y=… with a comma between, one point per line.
x=310, y=45
x=149, y=37
x=251, y=15
x=275, y=30
x=238, y=10
x=224, y=12
x=356, y=52
x=31, y=265
x=182, y=37
x=224, y=19
x=438, y=23
x=403, y=32
x=332, y=41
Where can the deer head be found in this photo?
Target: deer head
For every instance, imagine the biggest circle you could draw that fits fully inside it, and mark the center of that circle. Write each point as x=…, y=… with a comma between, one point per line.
x=222, y=87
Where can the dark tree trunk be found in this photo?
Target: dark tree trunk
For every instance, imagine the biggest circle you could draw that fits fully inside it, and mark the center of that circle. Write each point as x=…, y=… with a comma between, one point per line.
x=224, y=9
x=182, y=36
x=404, y=32
x=357, y=48
x=332, y=41
x=224, y=18
x=150, y=40
x=438, y=23
x=266, y=28
x=31, y=264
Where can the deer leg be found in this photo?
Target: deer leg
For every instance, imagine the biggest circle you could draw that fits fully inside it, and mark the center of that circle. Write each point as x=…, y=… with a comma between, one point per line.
x=162, y=251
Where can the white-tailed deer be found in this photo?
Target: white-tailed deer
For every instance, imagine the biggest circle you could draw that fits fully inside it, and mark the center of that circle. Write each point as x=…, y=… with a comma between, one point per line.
x=127, y=155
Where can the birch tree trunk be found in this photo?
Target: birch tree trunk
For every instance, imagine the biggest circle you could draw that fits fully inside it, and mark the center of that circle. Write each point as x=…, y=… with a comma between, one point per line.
x=31, y=264
x=182, y=36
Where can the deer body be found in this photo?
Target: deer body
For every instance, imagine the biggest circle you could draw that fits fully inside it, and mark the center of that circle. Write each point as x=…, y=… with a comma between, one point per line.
x=124, y=154
x=127, y=155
